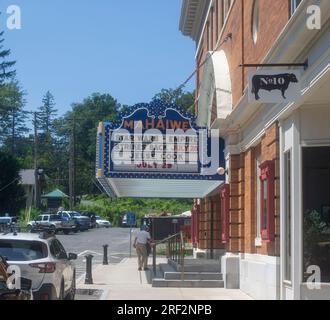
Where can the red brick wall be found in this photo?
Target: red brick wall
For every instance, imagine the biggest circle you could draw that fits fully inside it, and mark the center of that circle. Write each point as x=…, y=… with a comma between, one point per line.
x=273, y=17
x=206, y=224
x=268, y=149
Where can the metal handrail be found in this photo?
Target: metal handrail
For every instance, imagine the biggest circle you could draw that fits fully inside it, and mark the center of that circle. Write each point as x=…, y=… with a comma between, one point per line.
x=175, y=247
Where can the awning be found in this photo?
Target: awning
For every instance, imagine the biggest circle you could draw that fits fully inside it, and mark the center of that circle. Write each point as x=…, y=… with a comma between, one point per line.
x=150, y=188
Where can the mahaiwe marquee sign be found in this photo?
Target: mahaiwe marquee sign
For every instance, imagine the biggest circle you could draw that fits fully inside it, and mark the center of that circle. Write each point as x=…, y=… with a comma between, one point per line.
x=158, y=144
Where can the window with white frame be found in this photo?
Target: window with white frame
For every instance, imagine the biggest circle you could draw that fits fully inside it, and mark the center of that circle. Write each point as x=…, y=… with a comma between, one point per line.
x=294, y=5
x=255, y=21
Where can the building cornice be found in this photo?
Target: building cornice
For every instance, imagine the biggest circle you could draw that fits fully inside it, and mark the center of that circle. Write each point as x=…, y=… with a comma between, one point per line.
x=193, y=13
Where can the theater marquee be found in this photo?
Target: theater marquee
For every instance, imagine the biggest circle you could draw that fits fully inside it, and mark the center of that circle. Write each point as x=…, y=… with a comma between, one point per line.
x=161, y=142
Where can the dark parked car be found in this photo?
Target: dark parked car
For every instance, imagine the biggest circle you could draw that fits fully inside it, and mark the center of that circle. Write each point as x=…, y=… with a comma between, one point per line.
x=92, y=217
x=82, y=222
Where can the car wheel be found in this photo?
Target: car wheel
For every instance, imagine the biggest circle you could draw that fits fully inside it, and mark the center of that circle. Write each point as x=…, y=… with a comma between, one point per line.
x=72, y=292
x=52, y=229
x=66, y=232
x=29, y=228
x=61, y=297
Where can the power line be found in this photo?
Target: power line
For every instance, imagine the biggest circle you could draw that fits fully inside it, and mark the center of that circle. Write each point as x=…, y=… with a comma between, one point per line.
x=9, y=184
x=180, y=87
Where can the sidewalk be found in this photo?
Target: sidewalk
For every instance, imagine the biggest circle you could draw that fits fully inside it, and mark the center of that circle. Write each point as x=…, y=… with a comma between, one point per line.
x=124, y=282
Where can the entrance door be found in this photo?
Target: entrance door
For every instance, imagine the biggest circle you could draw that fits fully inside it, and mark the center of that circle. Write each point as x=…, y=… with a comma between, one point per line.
x=316, y=211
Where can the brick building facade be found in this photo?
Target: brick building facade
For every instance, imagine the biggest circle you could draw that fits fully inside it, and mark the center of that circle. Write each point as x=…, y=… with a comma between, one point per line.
x=254, y=222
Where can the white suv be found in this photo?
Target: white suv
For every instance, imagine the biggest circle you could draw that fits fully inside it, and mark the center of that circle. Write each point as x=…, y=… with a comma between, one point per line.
x=43, y=260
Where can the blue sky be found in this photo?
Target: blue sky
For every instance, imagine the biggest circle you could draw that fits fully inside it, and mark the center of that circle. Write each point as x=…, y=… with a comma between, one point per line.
x=130, y=49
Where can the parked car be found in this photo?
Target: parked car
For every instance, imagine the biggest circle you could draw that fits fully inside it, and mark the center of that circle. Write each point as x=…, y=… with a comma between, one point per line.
x=82, y=223
x=102, y=223
x=9, y=223
x=92, y=217
x=43, y=260
x=52, y=222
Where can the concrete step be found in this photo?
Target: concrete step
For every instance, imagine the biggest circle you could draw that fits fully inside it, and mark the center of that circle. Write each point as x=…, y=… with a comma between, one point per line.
x=193, y=276
x=198, y=265
x=165, y=267
x=162, y=283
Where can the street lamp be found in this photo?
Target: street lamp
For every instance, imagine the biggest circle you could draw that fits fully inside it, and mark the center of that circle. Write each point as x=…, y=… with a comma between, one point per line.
x=222, y=171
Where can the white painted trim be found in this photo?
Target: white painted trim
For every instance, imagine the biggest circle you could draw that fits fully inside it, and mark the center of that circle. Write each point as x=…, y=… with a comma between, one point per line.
x=282, y=210
x=297, y=222
x=258, y=242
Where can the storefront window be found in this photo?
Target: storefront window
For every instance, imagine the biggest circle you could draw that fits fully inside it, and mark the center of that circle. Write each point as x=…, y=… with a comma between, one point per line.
x=316, y=211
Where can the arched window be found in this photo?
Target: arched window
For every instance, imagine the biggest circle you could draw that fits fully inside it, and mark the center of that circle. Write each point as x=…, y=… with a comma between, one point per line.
x=255, y=21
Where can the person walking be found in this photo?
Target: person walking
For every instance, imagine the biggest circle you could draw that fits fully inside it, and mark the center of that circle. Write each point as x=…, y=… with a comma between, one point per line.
x=142, y=238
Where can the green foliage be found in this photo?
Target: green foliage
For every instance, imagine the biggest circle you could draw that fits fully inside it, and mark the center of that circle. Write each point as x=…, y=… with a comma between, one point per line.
x=314, y=228
x=6, y=67
x=12, y=116
x=25, y=217
x=11, y=192
x=47, y=114
x=114, y=208
x=185, y=100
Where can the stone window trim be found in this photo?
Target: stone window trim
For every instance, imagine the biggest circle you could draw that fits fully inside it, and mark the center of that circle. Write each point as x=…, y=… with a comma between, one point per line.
x=267, y=179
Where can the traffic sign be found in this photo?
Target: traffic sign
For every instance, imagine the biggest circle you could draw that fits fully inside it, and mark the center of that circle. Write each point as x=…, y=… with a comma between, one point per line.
x=131, y=219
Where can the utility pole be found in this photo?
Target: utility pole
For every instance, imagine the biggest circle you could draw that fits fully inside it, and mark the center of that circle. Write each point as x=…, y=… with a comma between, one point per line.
x=36, y=175
x=72, y=166
x=13, y=134
x=74, y=163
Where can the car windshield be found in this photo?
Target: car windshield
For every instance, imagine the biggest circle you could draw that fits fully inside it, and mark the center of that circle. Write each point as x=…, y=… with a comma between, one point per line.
x=98, y=218
x=21, y=250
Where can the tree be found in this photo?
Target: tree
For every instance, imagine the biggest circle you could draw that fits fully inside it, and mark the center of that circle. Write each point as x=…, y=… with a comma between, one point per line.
x=12, y=122
x=185, y=100
x=47, y=113
x=11, y=192
x=86, y=117
x=6, y=71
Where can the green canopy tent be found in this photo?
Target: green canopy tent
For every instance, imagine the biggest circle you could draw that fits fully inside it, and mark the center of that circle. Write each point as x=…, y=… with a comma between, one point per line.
x=54, y=199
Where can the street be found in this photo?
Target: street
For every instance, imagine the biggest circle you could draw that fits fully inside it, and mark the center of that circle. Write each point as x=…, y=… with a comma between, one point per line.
x=92, y=241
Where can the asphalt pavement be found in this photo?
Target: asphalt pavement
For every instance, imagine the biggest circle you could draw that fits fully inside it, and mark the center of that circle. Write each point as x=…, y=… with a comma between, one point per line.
x=92, y=241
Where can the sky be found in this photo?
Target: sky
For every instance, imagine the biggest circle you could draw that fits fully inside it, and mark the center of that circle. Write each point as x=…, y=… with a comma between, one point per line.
x=130, y=49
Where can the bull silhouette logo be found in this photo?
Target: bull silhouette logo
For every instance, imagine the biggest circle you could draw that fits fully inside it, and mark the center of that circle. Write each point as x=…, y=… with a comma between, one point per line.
x=272, y=82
